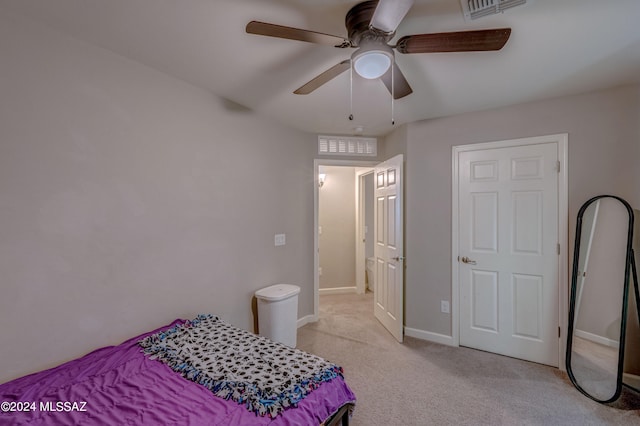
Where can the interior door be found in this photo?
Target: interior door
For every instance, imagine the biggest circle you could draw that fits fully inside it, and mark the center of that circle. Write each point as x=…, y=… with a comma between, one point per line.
x=389, y=247
x=508, y=243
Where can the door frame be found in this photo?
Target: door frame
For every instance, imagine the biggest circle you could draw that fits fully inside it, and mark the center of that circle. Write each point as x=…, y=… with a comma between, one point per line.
x=316, y=205
x=561, y=140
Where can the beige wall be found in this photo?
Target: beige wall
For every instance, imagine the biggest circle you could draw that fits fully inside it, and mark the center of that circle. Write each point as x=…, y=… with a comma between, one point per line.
x=129, y=198
x=336, y=216
x=604, y=136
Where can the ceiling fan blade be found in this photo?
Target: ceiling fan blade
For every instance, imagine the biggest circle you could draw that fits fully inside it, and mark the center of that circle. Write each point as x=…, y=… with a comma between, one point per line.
x=460, y=41
x=400, y=87
x=323, y=78
x=280, y=31
x=389, y=14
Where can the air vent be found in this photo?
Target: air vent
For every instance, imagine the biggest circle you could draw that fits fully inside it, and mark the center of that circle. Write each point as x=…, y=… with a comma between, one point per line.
x=347, y=146
x=474, y=9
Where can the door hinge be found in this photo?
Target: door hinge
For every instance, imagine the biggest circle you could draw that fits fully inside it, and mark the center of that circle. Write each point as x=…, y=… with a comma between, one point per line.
x=558, y=332
x=558, y=166
x=558, y=249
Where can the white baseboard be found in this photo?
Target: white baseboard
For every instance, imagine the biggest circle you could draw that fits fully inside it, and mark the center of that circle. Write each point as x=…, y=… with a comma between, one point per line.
x=337, y=290
x=631, y=380
x=429, y=336
x=597, y=339
x=306, y=320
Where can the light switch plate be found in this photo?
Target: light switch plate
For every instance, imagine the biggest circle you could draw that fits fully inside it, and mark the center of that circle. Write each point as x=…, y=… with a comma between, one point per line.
x=280, y=239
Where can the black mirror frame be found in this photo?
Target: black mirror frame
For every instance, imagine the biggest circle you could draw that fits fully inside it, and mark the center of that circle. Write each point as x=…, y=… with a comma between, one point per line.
x=629, y=266
x=634, y=278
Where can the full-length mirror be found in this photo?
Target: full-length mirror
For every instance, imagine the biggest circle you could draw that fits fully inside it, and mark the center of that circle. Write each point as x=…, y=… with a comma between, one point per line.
x=599, y=295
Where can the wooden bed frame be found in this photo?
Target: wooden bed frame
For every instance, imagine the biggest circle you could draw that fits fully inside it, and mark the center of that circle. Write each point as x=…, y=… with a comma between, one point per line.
x=341, y=417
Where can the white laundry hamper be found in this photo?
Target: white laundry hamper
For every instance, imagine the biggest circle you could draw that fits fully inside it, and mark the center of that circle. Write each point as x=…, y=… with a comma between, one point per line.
x=278, y=313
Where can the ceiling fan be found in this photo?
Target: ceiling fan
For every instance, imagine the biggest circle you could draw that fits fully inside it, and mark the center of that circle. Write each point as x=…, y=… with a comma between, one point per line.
x=370, y=27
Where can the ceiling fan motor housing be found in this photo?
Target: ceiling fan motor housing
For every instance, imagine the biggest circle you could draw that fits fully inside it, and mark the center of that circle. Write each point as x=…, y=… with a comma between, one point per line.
x=358, y=22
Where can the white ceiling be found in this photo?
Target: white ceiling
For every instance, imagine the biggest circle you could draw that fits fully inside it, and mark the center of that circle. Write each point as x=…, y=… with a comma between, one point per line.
x=557, y=47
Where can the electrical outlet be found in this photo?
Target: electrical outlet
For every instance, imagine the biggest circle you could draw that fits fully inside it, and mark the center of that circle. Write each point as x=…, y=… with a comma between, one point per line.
x=280, y=239
x=444, y=306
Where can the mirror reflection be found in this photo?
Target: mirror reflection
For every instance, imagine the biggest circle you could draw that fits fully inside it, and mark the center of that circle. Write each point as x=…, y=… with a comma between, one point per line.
x=631, y=372
x=598, y=302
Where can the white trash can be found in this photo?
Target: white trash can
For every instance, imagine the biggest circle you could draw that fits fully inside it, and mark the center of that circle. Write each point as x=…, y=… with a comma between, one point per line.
x=278, y=313
x=371, y=278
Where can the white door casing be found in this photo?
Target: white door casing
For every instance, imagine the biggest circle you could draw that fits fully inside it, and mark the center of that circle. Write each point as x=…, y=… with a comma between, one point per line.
x=509, y=232
x=389, y=246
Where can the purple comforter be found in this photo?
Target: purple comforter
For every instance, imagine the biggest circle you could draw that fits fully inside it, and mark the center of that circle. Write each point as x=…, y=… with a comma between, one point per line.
x=118, y=385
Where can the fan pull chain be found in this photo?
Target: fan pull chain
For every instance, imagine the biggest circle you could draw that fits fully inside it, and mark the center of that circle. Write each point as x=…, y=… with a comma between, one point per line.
x=393, y=91
x=351, y=92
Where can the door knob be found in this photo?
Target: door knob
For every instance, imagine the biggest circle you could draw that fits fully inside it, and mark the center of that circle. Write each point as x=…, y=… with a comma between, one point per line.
x=398, y=258
x=468, y=261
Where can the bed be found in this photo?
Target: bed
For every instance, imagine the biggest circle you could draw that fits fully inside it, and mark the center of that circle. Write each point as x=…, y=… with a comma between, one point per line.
x=190, y=372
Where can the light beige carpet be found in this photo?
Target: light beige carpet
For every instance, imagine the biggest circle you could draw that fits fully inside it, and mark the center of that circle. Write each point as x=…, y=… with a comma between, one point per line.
x=422, y=383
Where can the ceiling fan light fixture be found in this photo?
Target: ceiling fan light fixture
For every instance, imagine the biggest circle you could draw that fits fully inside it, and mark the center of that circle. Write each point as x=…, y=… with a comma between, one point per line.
x=373, y=61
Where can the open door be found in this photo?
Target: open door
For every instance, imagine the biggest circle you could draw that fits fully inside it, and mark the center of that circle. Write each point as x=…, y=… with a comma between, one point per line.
x=389, y=246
